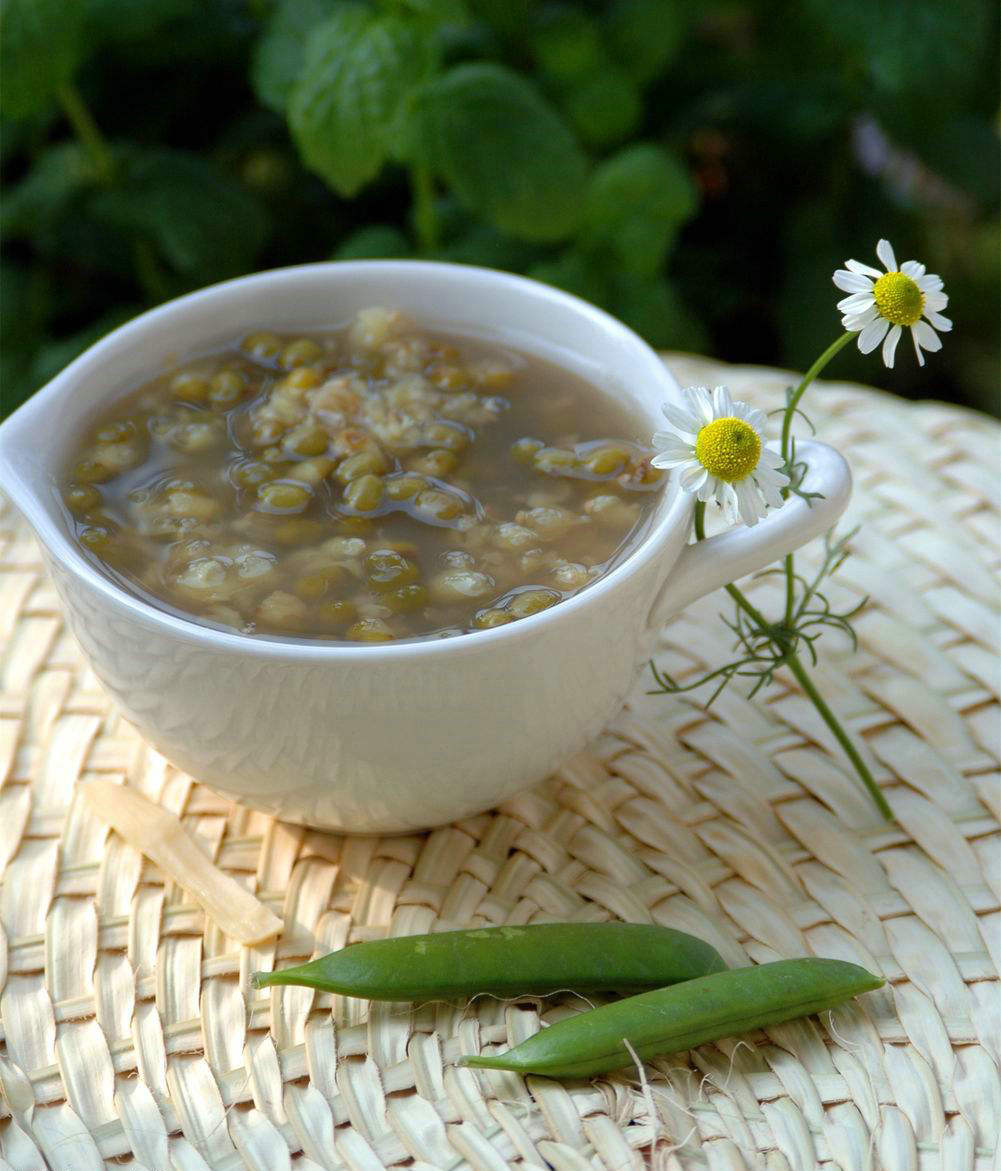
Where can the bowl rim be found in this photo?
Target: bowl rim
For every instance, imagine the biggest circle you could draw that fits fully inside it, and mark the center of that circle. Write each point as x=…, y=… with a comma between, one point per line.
x=51, y=533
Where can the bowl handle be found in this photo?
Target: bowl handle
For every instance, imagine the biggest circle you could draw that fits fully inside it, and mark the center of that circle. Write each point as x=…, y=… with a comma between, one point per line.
x=712, y=563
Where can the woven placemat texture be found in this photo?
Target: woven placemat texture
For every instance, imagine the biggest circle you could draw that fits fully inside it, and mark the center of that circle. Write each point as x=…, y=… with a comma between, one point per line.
x=129, y=1034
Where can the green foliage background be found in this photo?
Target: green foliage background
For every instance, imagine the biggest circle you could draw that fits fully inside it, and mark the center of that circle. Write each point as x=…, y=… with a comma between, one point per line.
x=698, y=167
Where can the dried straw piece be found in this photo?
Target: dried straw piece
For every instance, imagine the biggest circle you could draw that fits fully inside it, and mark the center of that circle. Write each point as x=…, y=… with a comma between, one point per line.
x=160, y=836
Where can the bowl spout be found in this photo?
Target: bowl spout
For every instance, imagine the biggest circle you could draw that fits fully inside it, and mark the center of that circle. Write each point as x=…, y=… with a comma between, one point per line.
x=22, y=476
x=30, y=454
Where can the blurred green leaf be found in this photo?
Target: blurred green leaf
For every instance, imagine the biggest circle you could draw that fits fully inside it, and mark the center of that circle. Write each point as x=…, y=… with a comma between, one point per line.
x=15, y=381
x=439, y=12
x=503, y=150
x=203, y=223
x=56, y=208
x=576, y=273
x=605, y=108
x=906, y=46
x=803, y=108
x=508, y=17
x=59, y=174
x=769, y=103
x=652, y=307
x=566, y=42
x=484, y=245
x=374, y=242
x=41, y=45
x=178, y=36
x=22, y=135
x=634, y=205
x=598, y=96
x=347, y=111
x=82, y=240
x=645, y=35
x=280, y=53
x=26, y=300
x=958, y=150
x=51, y=358
x=121, y=21
x=466, y=41
x=268, y=172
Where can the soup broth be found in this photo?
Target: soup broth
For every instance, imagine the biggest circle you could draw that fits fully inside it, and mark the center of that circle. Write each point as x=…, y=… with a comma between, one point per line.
x=379, y=482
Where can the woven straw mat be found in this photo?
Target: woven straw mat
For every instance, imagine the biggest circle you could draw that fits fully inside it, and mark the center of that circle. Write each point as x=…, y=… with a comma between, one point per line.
x=130, y=1035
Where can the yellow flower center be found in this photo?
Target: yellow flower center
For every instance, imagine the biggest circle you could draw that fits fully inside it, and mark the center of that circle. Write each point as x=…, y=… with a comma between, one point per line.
x=899, y=299
x=728, y=449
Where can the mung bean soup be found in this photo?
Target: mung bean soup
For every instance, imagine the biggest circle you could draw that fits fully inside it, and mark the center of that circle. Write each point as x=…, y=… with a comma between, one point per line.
x=376, y=483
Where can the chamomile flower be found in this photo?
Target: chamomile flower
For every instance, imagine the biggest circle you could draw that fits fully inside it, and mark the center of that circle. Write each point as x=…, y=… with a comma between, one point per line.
x=717, y=450
x=880, y=305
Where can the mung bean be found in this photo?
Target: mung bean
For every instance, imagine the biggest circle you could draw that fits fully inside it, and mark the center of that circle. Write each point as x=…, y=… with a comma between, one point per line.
x=279, y=442
x=365, y=493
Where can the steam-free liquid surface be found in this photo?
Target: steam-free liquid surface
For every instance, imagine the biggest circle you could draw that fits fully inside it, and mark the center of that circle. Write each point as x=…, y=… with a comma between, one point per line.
x=374, y=483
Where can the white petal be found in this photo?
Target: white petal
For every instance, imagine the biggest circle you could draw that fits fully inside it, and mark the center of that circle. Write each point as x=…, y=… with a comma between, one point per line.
x=917, y=348
x=856, y=302
x=936, y=301
x=862, y=317
x=932, y=283
x=913, y=269
x=668, y=443
x=727, y=500
x=769, y=493
x=708, y=489
x=884, y=250
x=681, y=468
x=692, y=477
x=700, y=403
x=722, y=402
x=683, y=420
x=926, y=337
x=667, y=462
x=749, y=501
x=751, y=415
x=852, y=282
x=859, y=267
x=857, y=321
x=940, y=322
x=890, y=346
x=772, y=458
x=872, y=335
x=770, y=476
x=741, y=409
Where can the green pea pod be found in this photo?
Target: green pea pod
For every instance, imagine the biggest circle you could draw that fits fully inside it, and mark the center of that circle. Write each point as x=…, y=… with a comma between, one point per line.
x=507, y=961
x=671, y=1019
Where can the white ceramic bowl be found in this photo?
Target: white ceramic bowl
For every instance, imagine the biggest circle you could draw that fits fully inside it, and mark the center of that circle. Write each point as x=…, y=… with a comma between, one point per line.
x=382, y=737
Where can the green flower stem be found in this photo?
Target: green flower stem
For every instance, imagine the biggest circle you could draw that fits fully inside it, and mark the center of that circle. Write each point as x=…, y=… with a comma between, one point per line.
x=148, y=271
x=425, y=217
x=808, y=377
x=831, y=720
x=754, y=614
x=835, y=347
x=86, y=130
x=791, y=659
